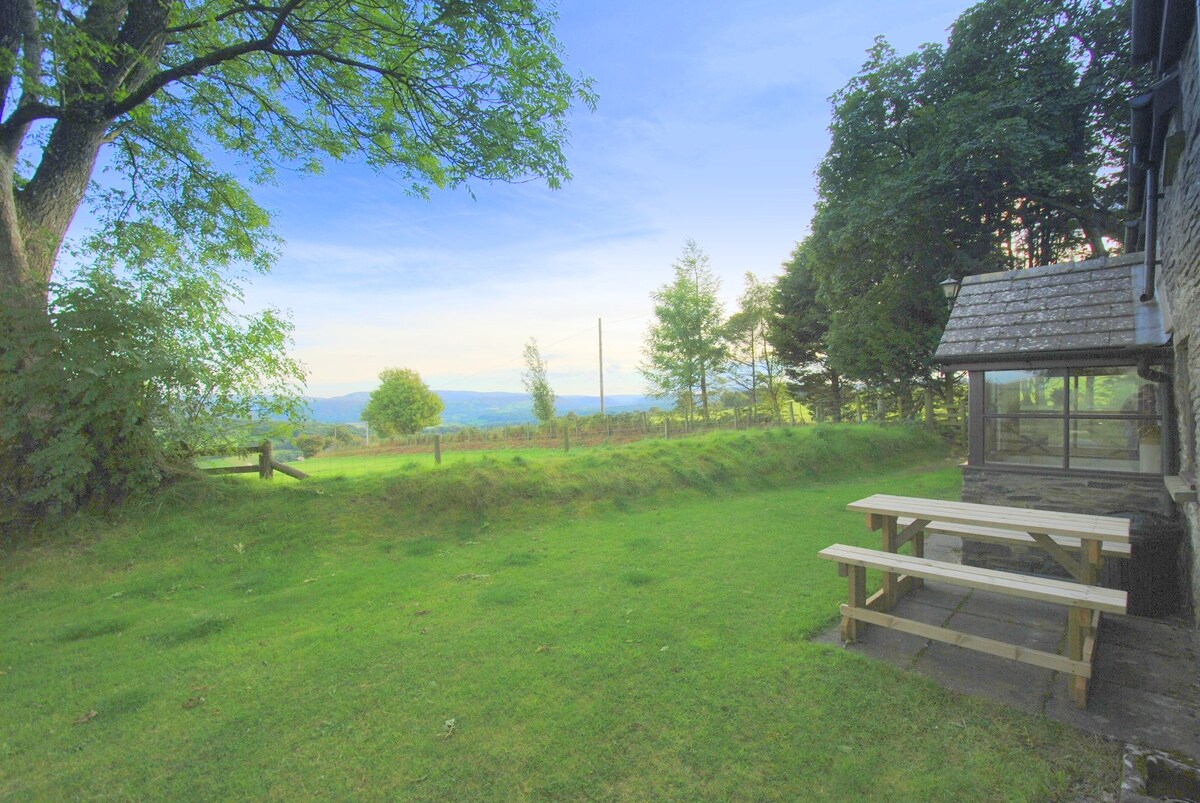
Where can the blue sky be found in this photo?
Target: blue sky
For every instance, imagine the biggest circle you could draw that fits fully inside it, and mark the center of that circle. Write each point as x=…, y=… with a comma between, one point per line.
x=711, y=119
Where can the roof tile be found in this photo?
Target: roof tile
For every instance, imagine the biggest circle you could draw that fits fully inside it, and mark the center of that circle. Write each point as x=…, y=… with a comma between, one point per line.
x=1070, y=307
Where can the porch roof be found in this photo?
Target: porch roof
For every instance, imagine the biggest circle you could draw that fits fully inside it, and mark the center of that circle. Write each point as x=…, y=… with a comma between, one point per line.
x=1071, y=310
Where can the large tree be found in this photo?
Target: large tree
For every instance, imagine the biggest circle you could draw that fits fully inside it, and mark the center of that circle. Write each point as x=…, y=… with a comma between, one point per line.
x=402, y=404
x=799, y=333
x=683, y=350
x=998, y=150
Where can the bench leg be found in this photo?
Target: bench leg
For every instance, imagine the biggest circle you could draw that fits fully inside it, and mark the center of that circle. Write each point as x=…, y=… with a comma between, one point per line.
x=918, y=550
x=890, y=591
x=1079, y=625
x=1091, y=562
x=857, y=577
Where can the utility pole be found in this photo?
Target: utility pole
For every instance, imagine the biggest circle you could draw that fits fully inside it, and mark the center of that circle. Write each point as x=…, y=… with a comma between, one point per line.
x=600, y=338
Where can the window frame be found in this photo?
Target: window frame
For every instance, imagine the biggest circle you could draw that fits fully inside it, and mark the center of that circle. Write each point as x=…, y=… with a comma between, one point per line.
x=979, y=418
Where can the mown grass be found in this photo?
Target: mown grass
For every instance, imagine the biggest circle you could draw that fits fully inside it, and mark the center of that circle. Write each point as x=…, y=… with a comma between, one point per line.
x=348, y=637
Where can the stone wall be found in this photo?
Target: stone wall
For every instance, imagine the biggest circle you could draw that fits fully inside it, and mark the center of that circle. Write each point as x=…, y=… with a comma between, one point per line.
x=1179, y=251
x=1095, y=494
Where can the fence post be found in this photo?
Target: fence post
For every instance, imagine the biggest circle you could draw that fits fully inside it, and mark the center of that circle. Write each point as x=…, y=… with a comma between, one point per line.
x=265, y=470
x=666, y=429
x=566, y=439
x=929, y=422
x=437, y=450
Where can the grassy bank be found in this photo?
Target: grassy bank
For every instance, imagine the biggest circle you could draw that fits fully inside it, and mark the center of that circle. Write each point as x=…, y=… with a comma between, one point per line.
x=728, y=461
x=327, y=638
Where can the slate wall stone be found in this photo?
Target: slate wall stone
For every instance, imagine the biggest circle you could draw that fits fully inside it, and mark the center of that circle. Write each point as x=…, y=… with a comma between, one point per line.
x=1094, y=494
x=1179, y=252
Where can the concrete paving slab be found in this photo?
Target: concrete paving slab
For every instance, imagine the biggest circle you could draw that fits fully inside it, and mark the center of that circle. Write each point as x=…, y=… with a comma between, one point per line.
x=1026, y=612
x=1017, y=684
x=933, y=595
x=932, y=606
x=1133, y=715
x=946, y=548
x=1165, y=636
x=1137, y=667
x=892, y=646
x=1145, y=688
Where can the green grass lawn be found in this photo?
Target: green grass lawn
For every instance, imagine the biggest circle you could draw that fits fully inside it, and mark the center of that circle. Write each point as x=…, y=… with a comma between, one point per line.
x=290, y=640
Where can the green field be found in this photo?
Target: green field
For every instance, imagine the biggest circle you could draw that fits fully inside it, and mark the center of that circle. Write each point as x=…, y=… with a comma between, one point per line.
x=639, y=636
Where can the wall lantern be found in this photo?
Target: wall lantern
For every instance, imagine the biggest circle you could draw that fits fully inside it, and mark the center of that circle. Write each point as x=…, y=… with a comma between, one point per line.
x=950, y=288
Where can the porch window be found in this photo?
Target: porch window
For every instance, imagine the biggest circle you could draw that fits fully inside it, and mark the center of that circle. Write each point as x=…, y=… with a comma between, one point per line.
x=1098, y=419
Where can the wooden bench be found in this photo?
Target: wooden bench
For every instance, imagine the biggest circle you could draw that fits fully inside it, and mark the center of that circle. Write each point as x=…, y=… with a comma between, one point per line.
x=1084, y=602
x=994, y=535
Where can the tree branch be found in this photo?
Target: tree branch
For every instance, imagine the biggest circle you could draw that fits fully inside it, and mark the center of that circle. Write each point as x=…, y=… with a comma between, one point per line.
x=198, y=65
x=250, y=8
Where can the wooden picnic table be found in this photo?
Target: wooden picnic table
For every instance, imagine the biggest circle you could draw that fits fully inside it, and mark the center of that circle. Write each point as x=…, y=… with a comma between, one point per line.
x=1051, y=530
x=1076, y=541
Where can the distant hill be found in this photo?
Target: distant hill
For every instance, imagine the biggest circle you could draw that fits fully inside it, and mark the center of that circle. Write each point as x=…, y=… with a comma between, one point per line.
x=339, y=409
x=471, y=408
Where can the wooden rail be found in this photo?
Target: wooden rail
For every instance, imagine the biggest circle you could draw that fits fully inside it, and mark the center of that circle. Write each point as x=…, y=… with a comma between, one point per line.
x=265, y=467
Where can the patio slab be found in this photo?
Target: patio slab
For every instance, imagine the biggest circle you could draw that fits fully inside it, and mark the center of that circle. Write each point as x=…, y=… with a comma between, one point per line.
x=1145, y=687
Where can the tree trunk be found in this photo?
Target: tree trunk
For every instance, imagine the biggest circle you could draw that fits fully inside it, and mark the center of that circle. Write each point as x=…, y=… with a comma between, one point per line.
x=129, y=38
x=904, y=400
x=14, y=266
x=48, y=203
x=948, y=396
x=835, y=390
x=753, y=374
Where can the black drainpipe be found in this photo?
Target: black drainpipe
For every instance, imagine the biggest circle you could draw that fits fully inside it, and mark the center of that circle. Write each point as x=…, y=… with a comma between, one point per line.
x=1151, y=249
x=1151, y=374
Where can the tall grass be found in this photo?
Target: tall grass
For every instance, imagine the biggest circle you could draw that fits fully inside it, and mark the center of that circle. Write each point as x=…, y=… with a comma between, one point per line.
x=732, y=461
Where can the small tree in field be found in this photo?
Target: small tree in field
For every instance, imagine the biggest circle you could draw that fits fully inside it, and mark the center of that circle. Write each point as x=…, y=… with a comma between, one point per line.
x=753, y=365
x=402, y=404
x=683, y=350
x=536, y=383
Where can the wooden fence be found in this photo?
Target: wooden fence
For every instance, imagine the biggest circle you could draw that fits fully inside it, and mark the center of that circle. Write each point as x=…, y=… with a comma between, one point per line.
x=265, y=467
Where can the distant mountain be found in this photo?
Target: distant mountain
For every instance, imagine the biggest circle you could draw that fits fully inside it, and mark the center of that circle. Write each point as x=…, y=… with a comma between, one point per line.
x=471, y=408
x=339, y=409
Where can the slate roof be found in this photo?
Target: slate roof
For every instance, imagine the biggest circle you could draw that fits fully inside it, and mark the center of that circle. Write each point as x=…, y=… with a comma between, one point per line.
x=1056, y=312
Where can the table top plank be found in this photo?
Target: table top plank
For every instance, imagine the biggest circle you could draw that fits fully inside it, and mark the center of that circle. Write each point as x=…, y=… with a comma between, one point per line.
x=1077, y=525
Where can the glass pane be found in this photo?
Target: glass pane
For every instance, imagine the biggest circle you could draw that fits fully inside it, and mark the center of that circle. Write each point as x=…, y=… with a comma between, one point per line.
x=1023, y=392
x=1112, y=390
x=1112, y=445
x=1023, y=441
